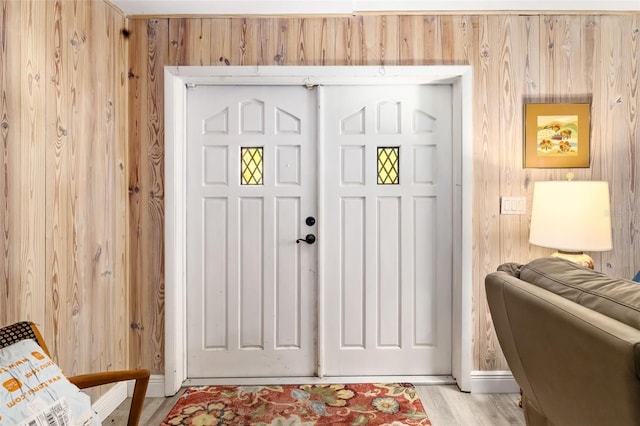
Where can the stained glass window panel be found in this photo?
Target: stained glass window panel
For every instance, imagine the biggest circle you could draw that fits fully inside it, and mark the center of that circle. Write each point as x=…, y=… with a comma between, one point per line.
x=251, y=167
x=388, y=165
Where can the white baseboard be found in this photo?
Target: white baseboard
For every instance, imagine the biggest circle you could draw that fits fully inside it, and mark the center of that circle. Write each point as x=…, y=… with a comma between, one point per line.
x=493, y=382
x=416, y=380
x=108, y=402
x=481, y=382
x=155, y=388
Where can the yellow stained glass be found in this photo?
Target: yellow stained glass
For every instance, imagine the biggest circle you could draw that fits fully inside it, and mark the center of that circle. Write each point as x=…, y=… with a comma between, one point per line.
x=388, y=165
x=251, y=166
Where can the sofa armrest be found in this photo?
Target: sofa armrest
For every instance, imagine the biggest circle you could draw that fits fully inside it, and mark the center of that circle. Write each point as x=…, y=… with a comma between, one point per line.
x=576, y=366
x=495, y=286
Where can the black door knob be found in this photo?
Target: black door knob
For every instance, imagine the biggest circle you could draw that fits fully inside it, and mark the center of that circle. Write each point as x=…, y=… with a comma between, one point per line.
x=309, y=239
x=310, y=221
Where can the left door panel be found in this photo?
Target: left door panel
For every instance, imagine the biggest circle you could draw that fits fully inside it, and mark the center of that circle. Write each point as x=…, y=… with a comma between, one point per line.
x=251, y=182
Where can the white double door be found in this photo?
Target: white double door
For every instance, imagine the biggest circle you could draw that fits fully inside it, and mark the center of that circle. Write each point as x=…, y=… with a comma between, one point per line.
x=366, y=170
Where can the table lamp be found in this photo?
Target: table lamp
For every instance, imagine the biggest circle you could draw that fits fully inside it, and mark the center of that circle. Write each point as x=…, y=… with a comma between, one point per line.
x=571, y=217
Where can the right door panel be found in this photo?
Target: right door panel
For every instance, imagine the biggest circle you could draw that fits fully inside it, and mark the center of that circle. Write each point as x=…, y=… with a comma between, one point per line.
x=387, y=247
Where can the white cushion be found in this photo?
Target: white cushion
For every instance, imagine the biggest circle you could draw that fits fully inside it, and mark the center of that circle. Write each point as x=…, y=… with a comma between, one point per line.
x=34, y=391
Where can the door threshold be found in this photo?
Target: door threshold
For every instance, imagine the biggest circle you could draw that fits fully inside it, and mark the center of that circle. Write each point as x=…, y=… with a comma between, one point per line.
x=312, y=380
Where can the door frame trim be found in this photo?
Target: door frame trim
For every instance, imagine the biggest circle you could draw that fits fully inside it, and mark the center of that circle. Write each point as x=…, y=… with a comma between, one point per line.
x=176, y=80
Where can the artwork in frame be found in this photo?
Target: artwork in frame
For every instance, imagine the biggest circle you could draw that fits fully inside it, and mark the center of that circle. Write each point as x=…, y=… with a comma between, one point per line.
x=556, y=135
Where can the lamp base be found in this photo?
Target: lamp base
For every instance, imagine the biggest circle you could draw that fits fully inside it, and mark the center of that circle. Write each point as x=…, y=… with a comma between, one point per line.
x=579, y=257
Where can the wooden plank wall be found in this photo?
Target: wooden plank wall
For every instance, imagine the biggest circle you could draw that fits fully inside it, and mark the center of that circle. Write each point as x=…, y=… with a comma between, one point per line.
x=63, y=160
x=555, y=58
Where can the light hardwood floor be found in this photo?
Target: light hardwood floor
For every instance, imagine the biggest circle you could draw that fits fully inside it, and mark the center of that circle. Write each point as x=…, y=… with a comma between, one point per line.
x=445, y=405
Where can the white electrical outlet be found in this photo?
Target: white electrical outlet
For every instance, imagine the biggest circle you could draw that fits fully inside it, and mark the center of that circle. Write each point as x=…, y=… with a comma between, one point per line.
x=513, y=205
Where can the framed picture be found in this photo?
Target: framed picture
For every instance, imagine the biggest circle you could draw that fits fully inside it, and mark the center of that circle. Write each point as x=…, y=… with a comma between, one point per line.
x=556, y=135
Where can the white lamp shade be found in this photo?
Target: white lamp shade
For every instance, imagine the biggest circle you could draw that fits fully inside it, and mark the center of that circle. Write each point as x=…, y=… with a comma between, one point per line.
x=571, y=216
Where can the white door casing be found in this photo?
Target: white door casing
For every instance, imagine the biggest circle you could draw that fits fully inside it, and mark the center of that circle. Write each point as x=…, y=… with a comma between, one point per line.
x=387, y=246
x=250, y=287
x=176, y=81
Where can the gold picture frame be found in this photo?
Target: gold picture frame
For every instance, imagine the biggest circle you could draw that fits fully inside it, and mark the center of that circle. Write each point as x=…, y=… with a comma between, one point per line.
x=557, y=135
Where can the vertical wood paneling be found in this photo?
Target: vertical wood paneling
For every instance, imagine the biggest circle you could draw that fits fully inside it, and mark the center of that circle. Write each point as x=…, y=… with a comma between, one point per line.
x=626, y=224
x=512, y=84
x=30, y=193
x=9, y=126
x=241, y=42
x=177, y=51
x=198, y=42
x=104, y=192
x=64, y=162
x=265, y=46
x=508, y=64
x=146, y=187
x=371, y=31
x=22, y=186
x=138, y=140
x=116, y=136
x=515, y=59
x=532, y=93
x=374, y=29
x=61, y=184
x=611, y=97
x=63, y=207
x=499, y=63
x=448, y=29
x=619, y=136
x=5, y=314
x=327, y=42
x=411, y=37
x=585, y=42
x=221, y=41
x=55, y=133
x=70, y=341
x=339, y=40
x=295, y=42
x=310, y=48
x=433, y=37
x=158, y=53
x=486, y=245
x=355, y=43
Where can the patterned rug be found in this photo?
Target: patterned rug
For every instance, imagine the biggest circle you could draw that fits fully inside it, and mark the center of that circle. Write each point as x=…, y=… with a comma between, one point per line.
x=354, y=404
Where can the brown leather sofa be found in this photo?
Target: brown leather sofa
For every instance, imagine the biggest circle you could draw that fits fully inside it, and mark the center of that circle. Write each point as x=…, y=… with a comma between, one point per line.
x=571, y=337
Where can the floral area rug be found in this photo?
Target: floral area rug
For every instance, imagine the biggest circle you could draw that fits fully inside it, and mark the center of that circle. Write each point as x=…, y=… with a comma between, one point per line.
x=354, y=404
